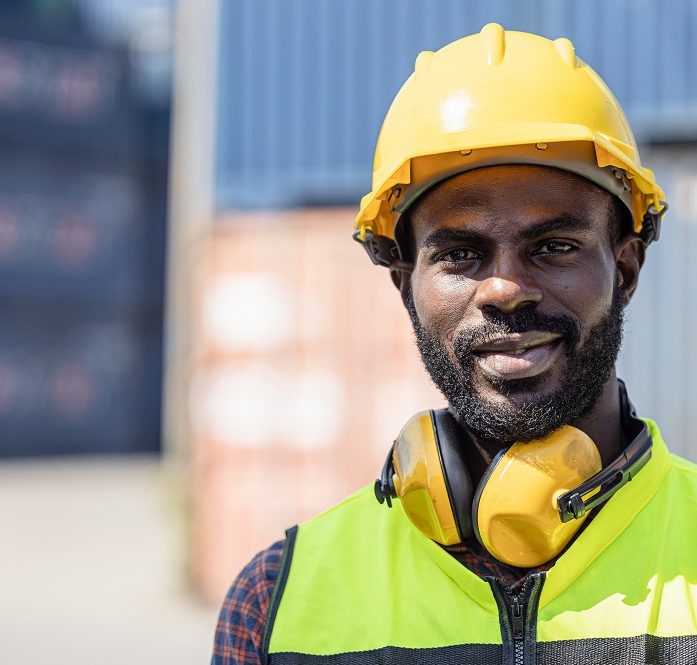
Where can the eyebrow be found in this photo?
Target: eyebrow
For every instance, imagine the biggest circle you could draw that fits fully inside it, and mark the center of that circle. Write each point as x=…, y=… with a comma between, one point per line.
x=561, y=223
x=442, y=236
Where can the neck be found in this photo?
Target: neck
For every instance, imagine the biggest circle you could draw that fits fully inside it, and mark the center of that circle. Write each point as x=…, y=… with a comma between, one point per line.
x=603, y=424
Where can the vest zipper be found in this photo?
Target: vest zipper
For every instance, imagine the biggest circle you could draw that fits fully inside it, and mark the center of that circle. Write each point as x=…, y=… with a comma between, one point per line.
x=518, y=625
x=518, y=617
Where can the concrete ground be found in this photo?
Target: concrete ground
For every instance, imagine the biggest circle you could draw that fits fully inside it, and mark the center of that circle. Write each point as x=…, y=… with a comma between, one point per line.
x=91, y=567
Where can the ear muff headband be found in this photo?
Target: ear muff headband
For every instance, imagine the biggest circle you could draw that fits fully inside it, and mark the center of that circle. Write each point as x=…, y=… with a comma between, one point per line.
x=598, y=489
x=384, y=485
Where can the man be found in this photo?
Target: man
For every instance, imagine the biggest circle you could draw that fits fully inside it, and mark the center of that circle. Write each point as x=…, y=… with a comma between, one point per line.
x=512, y=209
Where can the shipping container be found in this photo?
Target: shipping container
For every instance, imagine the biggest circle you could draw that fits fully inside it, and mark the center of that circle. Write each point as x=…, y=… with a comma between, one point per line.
x=82, y=242
x=303, y=372
x=65, y=93
x=76, y=234
x=78, y=386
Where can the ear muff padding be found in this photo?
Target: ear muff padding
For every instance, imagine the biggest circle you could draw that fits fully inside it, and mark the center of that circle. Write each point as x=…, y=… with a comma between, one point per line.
x=451, y=441
x=474, y=509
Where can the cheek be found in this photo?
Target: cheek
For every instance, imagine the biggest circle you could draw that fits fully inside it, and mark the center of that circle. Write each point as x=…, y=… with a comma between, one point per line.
x=441, y=304
x=586, y=293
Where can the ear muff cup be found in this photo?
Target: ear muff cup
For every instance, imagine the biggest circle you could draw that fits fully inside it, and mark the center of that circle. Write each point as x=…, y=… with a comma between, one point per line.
x=429, y=476
x=514, y=511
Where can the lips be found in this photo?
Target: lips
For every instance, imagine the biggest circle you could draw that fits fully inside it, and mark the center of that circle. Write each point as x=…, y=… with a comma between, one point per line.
x=518, y=355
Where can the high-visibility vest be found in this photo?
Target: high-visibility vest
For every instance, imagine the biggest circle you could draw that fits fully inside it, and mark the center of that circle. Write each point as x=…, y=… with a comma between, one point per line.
x=360, y=584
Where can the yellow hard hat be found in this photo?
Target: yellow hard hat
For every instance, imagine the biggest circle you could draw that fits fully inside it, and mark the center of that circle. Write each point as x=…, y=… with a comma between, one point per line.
x=501, y=97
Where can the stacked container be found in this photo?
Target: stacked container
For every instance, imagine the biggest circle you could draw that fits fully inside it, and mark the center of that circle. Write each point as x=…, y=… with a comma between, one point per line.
x=81, y=246
x=304, y=371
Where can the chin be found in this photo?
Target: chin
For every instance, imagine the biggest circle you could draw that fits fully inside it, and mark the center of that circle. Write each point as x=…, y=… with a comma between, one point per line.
x=520, y=391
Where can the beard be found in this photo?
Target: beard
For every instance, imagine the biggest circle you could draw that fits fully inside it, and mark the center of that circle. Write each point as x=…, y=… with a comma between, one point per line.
x=526, y=415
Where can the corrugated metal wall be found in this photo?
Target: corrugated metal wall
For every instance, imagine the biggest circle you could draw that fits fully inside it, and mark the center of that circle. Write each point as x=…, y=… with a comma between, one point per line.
x=304, y=85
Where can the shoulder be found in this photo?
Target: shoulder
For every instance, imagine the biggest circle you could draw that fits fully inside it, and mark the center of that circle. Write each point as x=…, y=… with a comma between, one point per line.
x=354, y=509
x=240, y=629
x=685, y=466
x=683, y=478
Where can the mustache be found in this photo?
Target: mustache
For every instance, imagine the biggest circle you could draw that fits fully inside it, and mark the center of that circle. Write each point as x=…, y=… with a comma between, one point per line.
x=498, y=323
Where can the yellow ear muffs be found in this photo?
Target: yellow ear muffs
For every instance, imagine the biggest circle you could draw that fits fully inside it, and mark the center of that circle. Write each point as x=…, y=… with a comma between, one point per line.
x=515, y=511
x=532, y=499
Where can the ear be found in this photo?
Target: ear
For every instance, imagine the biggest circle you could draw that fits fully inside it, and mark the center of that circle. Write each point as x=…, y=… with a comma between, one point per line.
x=396, y=277
x=402, y=280
x=630, y=253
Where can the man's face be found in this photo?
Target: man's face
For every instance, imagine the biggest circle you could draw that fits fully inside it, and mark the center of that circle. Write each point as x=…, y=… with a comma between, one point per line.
x=516, y=298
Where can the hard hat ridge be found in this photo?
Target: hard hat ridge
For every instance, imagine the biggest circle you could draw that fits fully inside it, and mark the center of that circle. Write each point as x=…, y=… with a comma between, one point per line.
x=493, y=43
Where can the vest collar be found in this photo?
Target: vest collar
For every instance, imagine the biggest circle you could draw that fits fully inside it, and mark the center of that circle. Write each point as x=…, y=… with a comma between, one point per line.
x=473, y=585
x=616, y=515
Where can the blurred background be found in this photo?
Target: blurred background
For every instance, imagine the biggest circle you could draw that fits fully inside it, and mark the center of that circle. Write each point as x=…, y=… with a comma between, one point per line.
x=194, y=354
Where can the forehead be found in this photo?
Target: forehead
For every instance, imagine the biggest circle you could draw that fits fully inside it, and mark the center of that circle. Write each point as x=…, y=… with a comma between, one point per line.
x=505, y=199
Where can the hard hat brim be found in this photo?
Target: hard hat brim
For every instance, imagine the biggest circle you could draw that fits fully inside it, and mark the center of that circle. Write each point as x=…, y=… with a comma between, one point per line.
x=573, y=148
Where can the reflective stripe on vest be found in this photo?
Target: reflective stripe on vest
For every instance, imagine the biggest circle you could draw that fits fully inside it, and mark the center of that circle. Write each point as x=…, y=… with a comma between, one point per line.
x=360, y=584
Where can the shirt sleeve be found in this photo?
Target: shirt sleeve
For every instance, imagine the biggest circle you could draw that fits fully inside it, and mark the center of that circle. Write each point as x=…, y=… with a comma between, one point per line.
x=240, y=629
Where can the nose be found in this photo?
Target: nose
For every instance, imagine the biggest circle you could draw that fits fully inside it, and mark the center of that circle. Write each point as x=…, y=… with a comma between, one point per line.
x=507, y=290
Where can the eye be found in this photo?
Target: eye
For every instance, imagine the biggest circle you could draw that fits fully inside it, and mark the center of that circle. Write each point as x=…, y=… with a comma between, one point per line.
x=459, y=255
x=555, y=247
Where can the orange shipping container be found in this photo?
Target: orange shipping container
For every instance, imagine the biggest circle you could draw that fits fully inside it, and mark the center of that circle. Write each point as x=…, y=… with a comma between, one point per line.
x=304, y=370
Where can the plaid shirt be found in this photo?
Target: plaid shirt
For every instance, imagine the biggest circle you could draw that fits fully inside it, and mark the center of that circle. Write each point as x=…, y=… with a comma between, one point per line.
x=242, y=618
